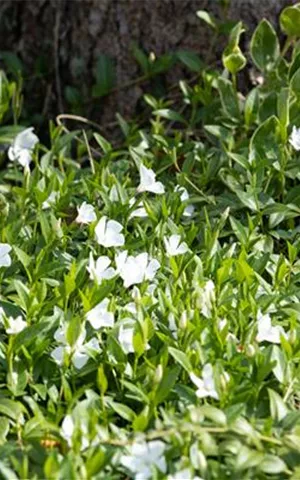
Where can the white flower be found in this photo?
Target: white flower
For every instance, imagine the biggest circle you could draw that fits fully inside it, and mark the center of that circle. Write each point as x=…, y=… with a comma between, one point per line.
x=80, y=351
x=100, y=269
x=134, y=270
x=131, y=308
x=295, y=138
x=99, y=316
x=189, y=209
x=108, y=233
x=22, y=147
x=148, y=182
x=138, y=212
x=265, y=330
x=15, y=325
x=86, y=213
x=206, y=298
x=126, y=334
x=206, y=384
x=183, y=475
x=5, y=260
x=67, y=430
x=143, y=457
x=50, y=201
x=174, y=247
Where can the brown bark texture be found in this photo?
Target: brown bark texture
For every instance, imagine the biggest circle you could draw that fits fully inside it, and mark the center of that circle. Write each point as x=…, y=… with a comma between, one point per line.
x=62, y=39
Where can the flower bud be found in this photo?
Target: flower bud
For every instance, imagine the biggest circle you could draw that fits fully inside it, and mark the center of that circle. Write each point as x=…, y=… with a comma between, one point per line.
x=158, y=373
x=183, y=320
x=250, y=350
x=292, y=336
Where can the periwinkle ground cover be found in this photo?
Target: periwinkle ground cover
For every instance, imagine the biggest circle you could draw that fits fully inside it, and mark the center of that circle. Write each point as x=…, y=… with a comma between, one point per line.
x=150, y=299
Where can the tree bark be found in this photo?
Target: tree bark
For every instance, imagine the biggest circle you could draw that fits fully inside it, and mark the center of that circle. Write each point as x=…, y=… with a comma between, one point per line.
x=59, y=42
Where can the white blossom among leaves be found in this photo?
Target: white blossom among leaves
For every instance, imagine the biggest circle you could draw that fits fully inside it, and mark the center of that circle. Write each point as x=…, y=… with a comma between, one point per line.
x=99, y=316
x=143, y=458
x=13, y=325
x=100, y=270
x=174, y=246
x=148, y=181
x=79, y=352
x=5, y=260
x=108, y=233
x=206, y=298
x=139, y=212
x=86, y=213
x=184, y=196
x=134, y=270
x=206, y=384
x=22, y=147
x=295, y=138
x=266, y=332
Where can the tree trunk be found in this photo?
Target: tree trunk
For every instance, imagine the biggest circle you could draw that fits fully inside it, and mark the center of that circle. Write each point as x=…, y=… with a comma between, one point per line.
x=59, y=42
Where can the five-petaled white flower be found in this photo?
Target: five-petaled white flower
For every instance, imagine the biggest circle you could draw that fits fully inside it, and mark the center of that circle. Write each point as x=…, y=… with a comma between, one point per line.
x=266, y=332
x=134, y=270
x=148, y=182
x=138, y=212
x=206, y=384
x=108, y=233
x=206, y=298
x=295, y=138
x=189, y=209
x=79, y=351
x=22, y=147
x=5, y=260
x=174, y=247
x=143, y=458
x=99, y=316
x=15, y=325
x=86, y=213
x=100, y=270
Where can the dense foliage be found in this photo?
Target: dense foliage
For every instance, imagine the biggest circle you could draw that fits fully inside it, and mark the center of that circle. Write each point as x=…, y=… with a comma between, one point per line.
x=149, y=292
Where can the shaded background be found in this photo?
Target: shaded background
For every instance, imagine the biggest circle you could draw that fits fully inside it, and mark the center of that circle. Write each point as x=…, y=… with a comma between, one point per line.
x=59, y=43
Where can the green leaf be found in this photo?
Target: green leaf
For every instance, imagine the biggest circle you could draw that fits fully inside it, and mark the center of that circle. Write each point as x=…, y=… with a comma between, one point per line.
x=214, y=414
x=141, y=58
x=104, y=144
x=264, y=141
x=277, y=406
x=190, y=59
x=264, y=47
x=169, y=115
x=247, y=458
x=167, y=383
x=123, y=410
x=290, y=21
x=34, y=333
x=105, y=76
x=251, y=107
x=11, y=409
x=181, y=358
x=295, y=83
x=272, y=465
x=229, y=98
x=22, y=256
